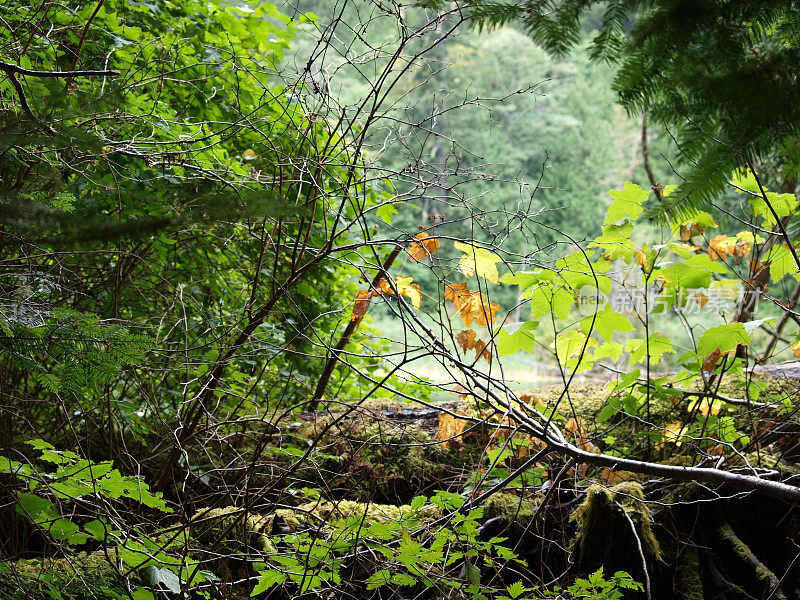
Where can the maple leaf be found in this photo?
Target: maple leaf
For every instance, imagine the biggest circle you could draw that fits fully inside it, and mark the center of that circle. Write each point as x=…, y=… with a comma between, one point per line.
x=478, y=260
x=482, y=351
x=409, y=290
x=361, y=305
x=404, y=288
x=450, y=430
x=423, y=246
x=471, y=304
x=468, y=340
x=689, y=229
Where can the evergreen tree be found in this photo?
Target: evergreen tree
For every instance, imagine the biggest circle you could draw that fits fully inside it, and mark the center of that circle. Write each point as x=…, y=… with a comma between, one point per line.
x=721, y=75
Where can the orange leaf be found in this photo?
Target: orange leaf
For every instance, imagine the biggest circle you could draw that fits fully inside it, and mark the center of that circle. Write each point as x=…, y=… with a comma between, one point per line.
x=482, y=351
x=468, y=340
x=361, y=304
x=450, y=430
x=423, y=246
x=471, y=304
x=701, y=298
x=690, y=229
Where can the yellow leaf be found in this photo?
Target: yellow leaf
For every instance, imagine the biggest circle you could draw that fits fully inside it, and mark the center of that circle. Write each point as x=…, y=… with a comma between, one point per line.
x=409, y=290
x=796, y=348
x=673, y=433
x=471, y=305
x=422, y=246
x=478, y=260
x=404, y=288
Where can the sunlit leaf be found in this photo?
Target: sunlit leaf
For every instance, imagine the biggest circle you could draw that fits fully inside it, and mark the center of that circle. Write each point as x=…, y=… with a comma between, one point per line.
x=478, y=260
x=423, y=246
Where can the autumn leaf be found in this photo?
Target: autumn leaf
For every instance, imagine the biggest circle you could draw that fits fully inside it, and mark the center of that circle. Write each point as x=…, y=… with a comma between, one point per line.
x=409, y=290
x=471, y=305
x=796, y=349
x=705, y=406
x=466, y=339
x=361, y=305
x=423, y=246
x=482, y=351
x=478, y=260
x=450, y=430
x=710, y=362
x=673, y=433
x=701, y=298
x=404, y=288
x=689, y=229
x=718, y=246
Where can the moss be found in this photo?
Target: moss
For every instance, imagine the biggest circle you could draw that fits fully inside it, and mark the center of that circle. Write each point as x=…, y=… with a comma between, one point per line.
x=510, y=508
x=211, y=524
x=771, y=461
x=689, y=581
x=604, y=536
x=82, y=576
x=377, y=513
x=743, y=552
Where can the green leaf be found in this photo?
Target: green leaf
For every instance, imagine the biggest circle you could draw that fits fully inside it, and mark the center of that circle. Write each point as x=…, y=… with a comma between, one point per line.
x=418, y=502
x=515, y=337
x=141, y=593
x=386, y=211
x=615, y=241
x=525, y=279
x=658, y=346
x=473, y=573
x=783, y=204
x=723, y=338
x=781, y=263
x=547, y=299
x=378, y=579
x=515, y=589
x=627, y=203
x=607, y=322
x=268, y=579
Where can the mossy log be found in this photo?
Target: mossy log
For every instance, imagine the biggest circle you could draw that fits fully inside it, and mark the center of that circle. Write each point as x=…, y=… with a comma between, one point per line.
x=689, y=582
x=604, y=537
x=743, y=552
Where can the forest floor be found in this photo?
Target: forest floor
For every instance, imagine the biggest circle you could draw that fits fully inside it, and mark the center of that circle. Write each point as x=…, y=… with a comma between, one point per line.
x=689, y=541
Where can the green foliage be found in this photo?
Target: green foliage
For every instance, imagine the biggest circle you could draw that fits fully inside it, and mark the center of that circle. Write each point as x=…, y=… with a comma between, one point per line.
x=71, y=480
